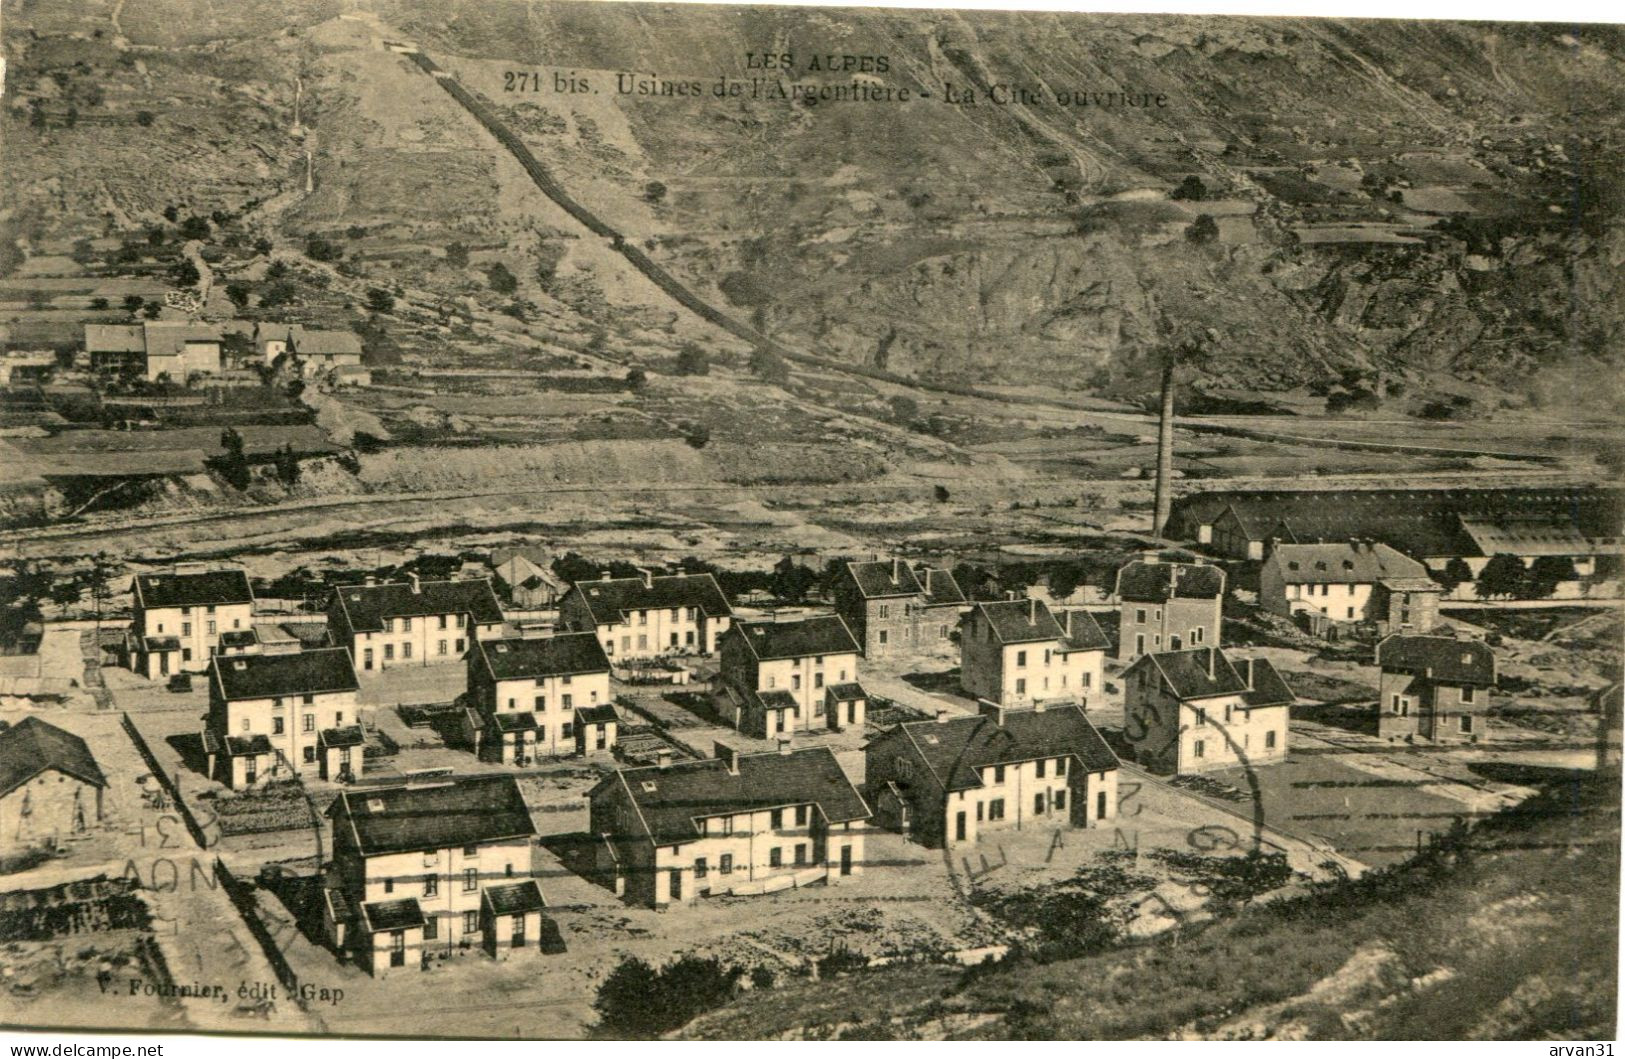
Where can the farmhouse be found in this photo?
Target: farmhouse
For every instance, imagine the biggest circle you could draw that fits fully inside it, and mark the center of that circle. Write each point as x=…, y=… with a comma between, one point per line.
x=412, y=622
x=50, y=785
x=429, y=870
x=157, y=348
x=646, y=616
x=736, y=824
x=1434, y=687
x=891, y=608
x=178, y=619
x=317, y=349
x=283, y=715
x=781, y=677
x=947, y=781
x=1168, y=607
x=1016, y=651
x=1361, y=581
x=1195, y=710
x=530, y=695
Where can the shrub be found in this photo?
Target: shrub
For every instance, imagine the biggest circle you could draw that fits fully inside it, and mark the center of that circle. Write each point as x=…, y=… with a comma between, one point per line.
x=194, y=228
x=698, y=436
x=238, y=293
x=654, y=191
x=769, y=366
x=133, y=302
x=186, y=274
x=501, y=280
x=98, y=303
x=1191, y=189
x=380, y=300
x=319, y=249
x=691, y=360
x=636, y=379
x=638, y=1001
x=1203, y=230
x=456, y=255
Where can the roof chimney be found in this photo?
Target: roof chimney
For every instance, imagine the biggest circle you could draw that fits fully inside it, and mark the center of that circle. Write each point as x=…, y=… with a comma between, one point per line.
x=417, y=589
x=984, y=708
x=728, y=756
x=1245, y=668
x=1040, y=705
x=1032, y=610
x=648, y=577
x=784, y=748
x=371, y=580
x=897, y=571
x=603, y=575
x=663, y=757
x=1212, y=663
x=942, y=716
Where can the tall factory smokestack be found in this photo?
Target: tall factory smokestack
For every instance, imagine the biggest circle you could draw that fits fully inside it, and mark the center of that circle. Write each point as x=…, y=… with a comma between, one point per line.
x=1165, y=452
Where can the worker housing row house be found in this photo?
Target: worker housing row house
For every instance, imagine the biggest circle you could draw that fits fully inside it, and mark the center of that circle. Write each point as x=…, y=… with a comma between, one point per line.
x=179, y=350
x=644, y=617
x=779, y=678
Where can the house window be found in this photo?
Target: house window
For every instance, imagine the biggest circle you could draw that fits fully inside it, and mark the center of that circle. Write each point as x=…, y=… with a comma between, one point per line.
x=1021, y=685
x=431, y=885
x=389, y=886
x=801, y=854
x=307, y=699
x=471, y=922
x=389, y=652
x=1200, y=749
x=727, y=824
x=1060, y=766
x=211, y=628
x=186, y=628
x=1021, y=658
x=567, y=730
x=459, y=647
x=801, y=816
x=1198, y=634
x=795, y=681
x=699, y=867
x=775, y=819
x=471, y=880
x=431, y=928
x=406, y=625
x=1060, y=799
x=882, y=637
x=406, y=650
x=1040, y=766
x=1038, y=804
x=1139, y=615
x=1269, y=740
x=1467, y=723
x=541, y=703
x=440, y=647
x=998, y=773
x=884, y=611
x=643, y=642
x=442, y=621
x=995, y=809
x=727, y=864
x=643, y=617
x=1395, y=705
x=1201, y=716
x=276, y=726
x=1467, y=692
x=310, y=755
x=309, y=722
x=775, y=857
x=471, y=851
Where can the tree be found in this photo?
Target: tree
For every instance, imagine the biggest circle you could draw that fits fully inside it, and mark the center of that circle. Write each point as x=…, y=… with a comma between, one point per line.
x=232, y=464
x=280, y=292
x=654, y=191
x=144, y=118
x=238, y=293
x=172, y=213
x=1456, y=572
x=194, y=227
x=1203, y=230
x=133, y=303
x=791, y=581
x=457, y=255
x=769, y=366
x=152, y=310
x=155, y=237
x=1191, y=189
x=638, y=1001
x=691, y=360
x=636, y=379
x=941, y=493
x=287, y=466
x=1502, y=576
x=1547, y=572
x=698, y=436
x=185, y=273
x=501, y=280
x=98, y=303
x=320, y=249
x=380, y=300
x=903, y=408
x=262, y=246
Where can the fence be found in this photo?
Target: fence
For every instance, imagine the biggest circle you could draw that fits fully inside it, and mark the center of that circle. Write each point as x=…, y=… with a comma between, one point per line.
x=164, y=780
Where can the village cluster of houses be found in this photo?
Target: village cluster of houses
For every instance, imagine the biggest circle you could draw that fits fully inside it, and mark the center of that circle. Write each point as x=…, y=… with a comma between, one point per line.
x=180, y=351
x=443, y=863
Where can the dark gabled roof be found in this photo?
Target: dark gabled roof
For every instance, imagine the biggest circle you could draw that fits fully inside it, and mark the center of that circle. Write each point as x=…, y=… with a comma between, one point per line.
x=243, y=745
x=604, y=714
x=1346, y=563
x=819, y=635
x=31, y=746
x=461, y=812
x=1197, y=673
x=941, y=590
x=884, y=577
x=115, y=338
x=776, y=699
x=1451, y=661
x=207, y=588
x=151, y=644
x=268, y=676
x=956, y=748
x=848, y=692
x=1019, y=620
x=239, y=638
x=671, y=799
x=507, y=899
x=610, y=598
x=368, y=605
x=401, y=914
x=551, y=656
x=514, y=722
x=1143, y=582
x=350, y=735
x=1267, y=688
x=314, y=343
x=1083, y=632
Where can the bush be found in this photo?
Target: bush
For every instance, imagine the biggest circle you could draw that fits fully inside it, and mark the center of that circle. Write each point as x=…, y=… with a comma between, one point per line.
x=186, y=274
x=698, y=436
x=457, y=255
x=194, y=228
x=98, y=303
x=1203, y=230
x=238, y=294
x=501, y=280
x=319, y=249
x=636, y=379
x=769, y=366
x=638, y=1001
x=380, y=300
x=1191, y=189
x=691, y=360
x=133, y=303
x=654, y=191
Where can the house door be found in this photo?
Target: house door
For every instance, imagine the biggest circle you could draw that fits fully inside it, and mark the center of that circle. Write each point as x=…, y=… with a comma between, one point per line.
x=676, y=884
x=366, y=659
x=518, y=932
x=846, y=860
x=1173, y=643
x=1139, y=643
x=397, y=948
x=852, y=713
x=1100, y=806
x=163, y=664
x=959, y=826
x=250, y=770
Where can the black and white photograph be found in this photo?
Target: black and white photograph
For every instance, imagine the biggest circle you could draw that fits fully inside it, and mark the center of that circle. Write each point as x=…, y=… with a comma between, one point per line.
x=594, y=520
